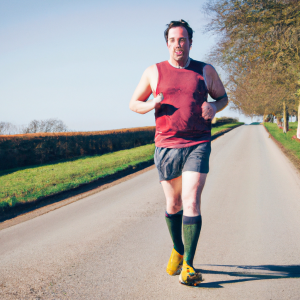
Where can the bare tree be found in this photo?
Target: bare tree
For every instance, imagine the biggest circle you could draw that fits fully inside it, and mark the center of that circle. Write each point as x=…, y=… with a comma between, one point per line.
x=32, y=127
x=49, y=125
x=8, y=128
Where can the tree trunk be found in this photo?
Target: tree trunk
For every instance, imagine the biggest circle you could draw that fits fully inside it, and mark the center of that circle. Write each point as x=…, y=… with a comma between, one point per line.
x=285, y=118
x=265, y=117
x=278, y=120
x=298, y=129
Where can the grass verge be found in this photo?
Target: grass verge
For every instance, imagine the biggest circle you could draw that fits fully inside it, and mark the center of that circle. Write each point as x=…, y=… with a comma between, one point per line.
x=224, y=127
x=25, y=185
x=284, y=140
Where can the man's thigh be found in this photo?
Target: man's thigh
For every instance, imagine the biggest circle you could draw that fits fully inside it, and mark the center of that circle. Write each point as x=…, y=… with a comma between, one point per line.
x=182, y=173
x=192, y=184
x=169, y=162
x=198, y=158
x=192, y=187
x=172, y=190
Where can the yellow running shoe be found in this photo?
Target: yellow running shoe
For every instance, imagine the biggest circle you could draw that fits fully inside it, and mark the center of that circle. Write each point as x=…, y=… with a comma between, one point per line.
x=175, y=263
x=189, y=276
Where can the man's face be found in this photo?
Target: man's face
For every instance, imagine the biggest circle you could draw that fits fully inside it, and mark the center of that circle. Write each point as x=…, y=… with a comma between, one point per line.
x=179, y=43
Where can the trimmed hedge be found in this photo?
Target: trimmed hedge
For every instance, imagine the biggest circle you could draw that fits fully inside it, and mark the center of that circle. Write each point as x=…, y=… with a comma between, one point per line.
x=224, y=120
x=39, y=148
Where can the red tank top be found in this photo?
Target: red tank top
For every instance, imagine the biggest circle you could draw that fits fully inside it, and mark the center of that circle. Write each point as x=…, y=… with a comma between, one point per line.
x=179, y=121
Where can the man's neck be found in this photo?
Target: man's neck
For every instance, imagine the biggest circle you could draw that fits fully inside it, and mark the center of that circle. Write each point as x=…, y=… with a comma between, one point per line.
x=179, y=64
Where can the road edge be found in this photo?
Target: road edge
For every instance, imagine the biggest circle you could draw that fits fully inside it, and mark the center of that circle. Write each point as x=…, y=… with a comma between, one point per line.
x=288, y=153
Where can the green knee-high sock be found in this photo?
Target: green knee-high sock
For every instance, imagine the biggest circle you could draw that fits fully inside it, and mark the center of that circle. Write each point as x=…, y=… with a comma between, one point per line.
x=191, y=233
x=174, y=222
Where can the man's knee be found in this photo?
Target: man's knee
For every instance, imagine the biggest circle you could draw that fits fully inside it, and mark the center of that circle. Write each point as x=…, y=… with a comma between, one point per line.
x=191, y=205
x=174, y=205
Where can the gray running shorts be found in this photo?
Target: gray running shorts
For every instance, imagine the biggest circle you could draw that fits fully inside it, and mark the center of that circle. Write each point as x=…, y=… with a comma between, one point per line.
x=171, y=162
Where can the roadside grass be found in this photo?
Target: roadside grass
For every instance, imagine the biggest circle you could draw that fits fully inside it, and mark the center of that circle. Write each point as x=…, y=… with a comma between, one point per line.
x=25, y=185
x=285, y=138
x=217, y=129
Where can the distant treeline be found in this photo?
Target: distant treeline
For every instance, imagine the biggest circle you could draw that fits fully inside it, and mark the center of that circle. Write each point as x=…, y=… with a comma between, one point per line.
x=33, y=149
x=49, y=125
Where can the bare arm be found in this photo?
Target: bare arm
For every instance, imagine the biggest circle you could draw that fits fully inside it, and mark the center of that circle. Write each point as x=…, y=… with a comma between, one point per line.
x=141, y=94
x=220, y=104
x=216, y=90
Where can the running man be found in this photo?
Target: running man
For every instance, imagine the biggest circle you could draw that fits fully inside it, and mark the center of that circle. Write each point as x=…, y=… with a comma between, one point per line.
x=180, y=87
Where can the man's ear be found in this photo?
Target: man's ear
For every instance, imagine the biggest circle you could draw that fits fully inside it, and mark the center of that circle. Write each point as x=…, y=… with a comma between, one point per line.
x=191, y=42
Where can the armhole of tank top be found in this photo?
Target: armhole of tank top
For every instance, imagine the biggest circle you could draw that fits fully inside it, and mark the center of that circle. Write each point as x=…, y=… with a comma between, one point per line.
x=158, y=79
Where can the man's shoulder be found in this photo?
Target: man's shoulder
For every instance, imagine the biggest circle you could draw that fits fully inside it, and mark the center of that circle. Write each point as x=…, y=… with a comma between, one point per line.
x=151, y=70
x=151, y=73
x=210, y=70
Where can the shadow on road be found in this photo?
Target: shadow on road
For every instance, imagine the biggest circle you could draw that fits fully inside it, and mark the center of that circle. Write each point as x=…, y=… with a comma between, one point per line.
x=249, y=273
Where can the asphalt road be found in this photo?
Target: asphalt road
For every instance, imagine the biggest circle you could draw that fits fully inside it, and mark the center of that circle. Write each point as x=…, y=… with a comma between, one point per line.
x=115, y=244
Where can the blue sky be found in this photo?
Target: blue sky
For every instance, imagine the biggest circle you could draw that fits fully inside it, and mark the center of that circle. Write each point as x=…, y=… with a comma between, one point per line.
x=80, y=61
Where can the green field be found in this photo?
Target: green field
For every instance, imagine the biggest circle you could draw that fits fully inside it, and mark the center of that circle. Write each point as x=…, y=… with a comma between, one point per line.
x=28, y=184
x=285, y=138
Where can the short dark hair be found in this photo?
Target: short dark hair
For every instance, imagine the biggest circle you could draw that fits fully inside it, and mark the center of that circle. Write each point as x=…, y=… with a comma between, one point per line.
x=180, y=23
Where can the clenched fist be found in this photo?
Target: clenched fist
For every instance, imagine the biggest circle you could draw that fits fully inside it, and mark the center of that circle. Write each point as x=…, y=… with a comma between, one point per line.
x=208, y=110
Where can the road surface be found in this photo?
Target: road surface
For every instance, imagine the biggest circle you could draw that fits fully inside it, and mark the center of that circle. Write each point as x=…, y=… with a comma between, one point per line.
x=115, y=244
